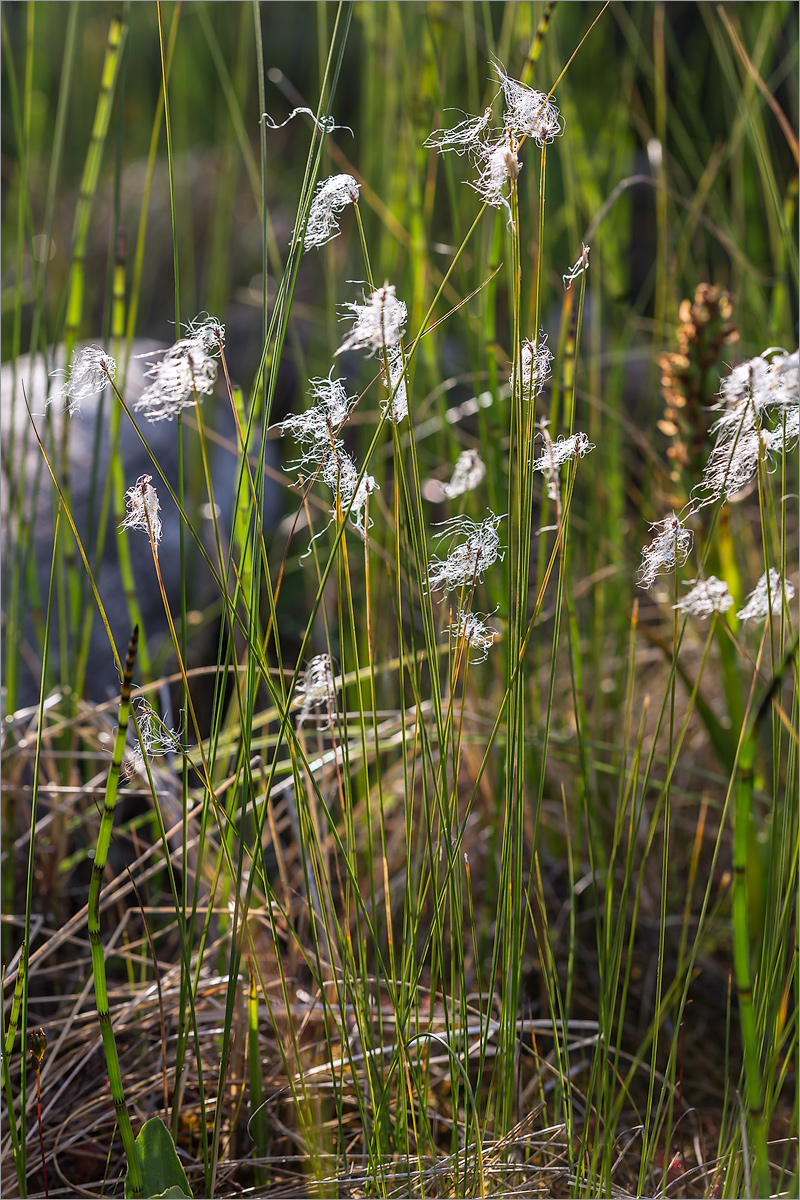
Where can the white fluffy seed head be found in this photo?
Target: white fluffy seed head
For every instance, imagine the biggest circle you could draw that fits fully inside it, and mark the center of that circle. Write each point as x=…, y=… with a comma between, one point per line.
x=555, y=454
x=577, y=445
x=760, y=417
x=468, y=472
x=331, y=197
x=769, y=594
x=90, y=371
x=157, y=739
x=340, y=473
x=668, y=550
x=706, y=596
x=317, y=429
x=396, y=385
x=760, y=384
x=184, y=372
x=498, y=166
x=316, y=688
x=471, y=628
x=733, y=464
x=784, y=380
x=534, y=367
x=467, y=562
x=379, y=322
x=143, y=509
x=529, y=113
x=208, y=331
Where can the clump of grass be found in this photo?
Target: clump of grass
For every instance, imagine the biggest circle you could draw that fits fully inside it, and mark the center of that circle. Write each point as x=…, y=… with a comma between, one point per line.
x=471, y=868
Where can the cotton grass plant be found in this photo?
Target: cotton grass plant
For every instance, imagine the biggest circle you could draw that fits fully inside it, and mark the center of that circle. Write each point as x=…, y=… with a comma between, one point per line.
x=468, y=802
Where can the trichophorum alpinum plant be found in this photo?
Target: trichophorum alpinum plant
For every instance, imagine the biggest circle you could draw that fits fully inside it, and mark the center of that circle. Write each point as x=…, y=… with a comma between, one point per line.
x=458, y=856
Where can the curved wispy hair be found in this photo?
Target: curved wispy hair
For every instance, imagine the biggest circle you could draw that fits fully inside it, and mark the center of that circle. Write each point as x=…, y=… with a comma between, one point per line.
x=379, y=321
x=208, y=331
x=157, y=739
x=396, y=385
x=316, y=688
x=529, y=113
x=143, y=508
x=760, y=418
x=534, y=366
x=90, y=370
x=184, y=372
x=468, y=472
x=326, y=124
x=317, y=429
x=769, y=595
x=578, y=268
x=556, y=453
x=340, y=473
x=463, y=137
x=706, y=596
x=498, y=166
x=466, y=563
x=668, y=550
x=331, y=197
x=471, y=628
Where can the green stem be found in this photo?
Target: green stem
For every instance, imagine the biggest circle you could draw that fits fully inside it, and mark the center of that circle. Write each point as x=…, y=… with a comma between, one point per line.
x=745, y=981
x=98, y=958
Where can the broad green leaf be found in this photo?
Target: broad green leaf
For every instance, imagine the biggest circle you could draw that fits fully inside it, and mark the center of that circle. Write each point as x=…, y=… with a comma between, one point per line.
x=162, y=1172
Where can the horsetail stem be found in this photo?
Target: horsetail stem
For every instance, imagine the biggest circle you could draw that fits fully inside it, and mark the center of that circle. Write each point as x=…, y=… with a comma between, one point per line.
x=91, y=175
x=98, y=957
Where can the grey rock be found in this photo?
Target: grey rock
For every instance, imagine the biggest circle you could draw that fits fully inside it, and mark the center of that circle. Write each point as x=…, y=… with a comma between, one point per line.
x=28, y=517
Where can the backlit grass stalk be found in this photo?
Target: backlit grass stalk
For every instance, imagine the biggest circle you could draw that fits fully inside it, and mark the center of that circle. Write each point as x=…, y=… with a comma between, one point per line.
x=745, y=981
x=22, y=122
x=68, y=582
x=9, y=1037
x=23, y=982
x=114, y=487
x=91, y=174
x=98, y=957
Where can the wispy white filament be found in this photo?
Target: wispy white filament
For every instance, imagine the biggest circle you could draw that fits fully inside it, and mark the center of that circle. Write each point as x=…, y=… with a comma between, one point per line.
x=462, y=137
x=90, y=371
x=316, y=688
x=340, y=473
x=184, y=372
x=326, y=124
x=467, y=562
x=396, y=385
x=498, y=166
x=317, y=429
x=331, y=197
x=577, y=445
x=379, y=322
x=535, y=360
x=157, y=739
x=468, y=472
x=706, y=596
x=766, y=596
x=471, y=628
x=143, y=509
x=529, y=113
x=579, y=267
x=668, y=549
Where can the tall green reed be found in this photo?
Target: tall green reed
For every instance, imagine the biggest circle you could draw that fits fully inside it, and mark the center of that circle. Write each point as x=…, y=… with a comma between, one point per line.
x=395, y=944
